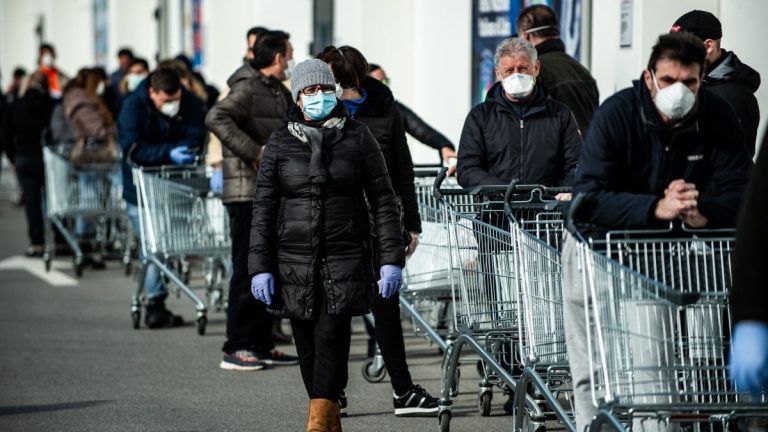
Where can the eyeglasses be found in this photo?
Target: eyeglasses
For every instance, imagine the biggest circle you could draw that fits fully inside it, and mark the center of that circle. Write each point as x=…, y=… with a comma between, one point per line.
x=312, y=91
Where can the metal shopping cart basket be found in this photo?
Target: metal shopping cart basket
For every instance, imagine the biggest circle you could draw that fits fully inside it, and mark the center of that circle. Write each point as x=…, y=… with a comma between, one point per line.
x=487, y=316
x=537, y=225
x=179, y=217
x=76, y=193
x=659, y=329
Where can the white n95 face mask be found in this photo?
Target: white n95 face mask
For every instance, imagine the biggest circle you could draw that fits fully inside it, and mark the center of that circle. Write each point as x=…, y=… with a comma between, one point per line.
x=289, y=68
x=170, y=109
x=518, y=85
x=674, y=101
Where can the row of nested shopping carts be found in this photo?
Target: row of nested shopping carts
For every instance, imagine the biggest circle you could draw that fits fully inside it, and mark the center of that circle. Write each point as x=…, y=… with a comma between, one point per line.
x=657, y=313
x=487, y=275
x=180, y=220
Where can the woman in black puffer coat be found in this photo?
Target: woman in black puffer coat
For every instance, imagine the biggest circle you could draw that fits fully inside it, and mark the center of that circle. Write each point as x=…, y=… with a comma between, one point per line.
x=311, y=229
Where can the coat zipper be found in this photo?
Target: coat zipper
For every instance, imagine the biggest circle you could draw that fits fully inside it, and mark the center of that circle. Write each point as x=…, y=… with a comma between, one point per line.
x=522, y=151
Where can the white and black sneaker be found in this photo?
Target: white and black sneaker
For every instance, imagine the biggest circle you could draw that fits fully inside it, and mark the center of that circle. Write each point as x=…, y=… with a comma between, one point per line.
x=415, y=402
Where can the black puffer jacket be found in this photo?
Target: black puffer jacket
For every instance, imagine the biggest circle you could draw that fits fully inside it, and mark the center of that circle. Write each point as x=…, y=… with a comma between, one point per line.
x=736, y=82
x=317, y=235
x=380, y=113
x=568, y=81
x=243, y=121
x=29, y=116
x=535, y=141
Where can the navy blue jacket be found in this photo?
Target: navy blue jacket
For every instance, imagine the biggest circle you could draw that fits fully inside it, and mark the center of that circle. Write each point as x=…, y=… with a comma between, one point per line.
x=146, y=136
x=629, y=158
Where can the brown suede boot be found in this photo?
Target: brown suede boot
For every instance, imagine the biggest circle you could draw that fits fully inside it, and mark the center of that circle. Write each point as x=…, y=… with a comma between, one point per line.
x=323, y=416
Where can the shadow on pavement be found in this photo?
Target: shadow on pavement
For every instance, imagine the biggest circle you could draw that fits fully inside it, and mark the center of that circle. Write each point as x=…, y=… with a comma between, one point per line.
x=33, y=409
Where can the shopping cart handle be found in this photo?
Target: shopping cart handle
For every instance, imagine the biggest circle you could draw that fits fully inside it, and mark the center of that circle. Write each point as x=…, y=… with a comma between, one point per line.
x=441, y=175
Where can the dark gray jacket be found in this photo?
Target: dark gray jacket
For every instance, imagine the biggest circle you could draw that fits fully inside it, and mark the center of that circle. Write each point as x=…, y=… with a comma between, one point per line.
x=243, y=121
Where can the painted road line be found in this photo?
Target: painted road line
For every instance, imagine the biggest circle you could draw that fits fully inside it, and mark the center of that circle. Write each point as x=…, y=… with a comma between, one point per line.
x=36, y=267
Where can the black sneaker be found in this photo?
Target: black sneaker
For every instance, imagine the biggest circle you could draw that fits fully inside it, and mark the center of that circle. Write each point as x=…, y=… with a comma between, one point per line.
x=343, y=404
x=157, y=316
x=416, y=402
x=277, y=358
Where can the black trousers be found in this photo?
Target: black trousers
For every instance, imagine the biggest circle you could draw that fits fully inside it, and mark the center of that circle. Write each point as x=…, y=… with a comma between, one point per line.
x=31, y=177
x=249, y=325
x=389, y=336
x=323, y=348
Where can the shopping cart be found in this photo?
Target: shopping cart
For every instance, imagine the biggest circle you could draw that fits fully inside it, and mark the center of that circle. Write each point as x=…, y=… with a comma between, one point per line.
x=485, y=292
x=179, y=218
x=80, y=196
x=426, y=292
x=537, y=226
x=659, y=325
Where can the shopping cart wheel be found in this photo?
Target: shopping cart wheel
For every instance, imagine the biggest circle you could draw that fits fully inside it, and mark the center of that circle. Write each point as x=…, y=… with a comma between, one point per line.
x=533, y=424
x=371, y=374
x=202, y=322
x=136, y=318
x=47, y=260
x=128, y=266
x=445, y=421
x=484, y=404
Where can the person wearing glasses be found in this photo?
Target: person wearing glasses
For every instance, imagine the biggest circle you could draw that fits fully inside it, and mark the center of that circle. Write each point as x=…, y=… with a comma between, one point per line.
x=311, y=244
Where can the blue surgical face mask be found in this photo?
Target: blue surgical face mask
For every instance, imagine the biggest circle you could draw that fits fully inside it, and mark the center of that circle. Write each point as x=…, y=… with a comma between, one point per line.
x=318, y=106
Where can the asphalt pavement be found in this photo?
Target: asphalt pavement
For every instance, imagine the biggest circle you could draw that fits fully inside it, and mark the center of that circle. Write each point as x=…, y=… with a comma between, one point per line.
x=71, y=361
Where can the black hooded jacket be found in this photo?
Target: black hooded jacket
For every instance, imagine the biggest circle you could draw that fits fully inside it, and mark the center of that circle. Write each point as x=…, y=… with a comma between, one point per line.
x=311, y=225
x=568, y=81
x=736, y=82
x=629, y=158
x=535, y=141
x=380, y=113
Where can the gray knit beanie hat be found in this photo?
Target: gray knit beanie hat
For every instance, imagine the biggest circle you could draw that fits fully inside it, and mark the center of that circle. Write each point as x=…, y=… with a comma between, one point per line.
x=308, y=73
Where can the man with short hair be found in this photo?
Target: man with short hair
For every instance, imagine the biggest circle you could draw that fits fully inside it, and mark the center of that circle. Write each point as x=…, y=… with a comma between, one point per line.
x=566, y=80
x=519, y=132
x=660, y=151
x=724, y=73
x=243, y=121
x=160, y=123
x=124, y=59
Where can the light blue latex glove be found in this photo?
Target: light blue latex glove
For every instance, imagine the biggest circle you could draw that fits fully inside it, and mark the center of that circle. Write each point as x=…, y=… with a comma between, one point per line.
x=181, y=155
x=749, y=356
x=217, y=181
x=391, y=279
x=263, y=287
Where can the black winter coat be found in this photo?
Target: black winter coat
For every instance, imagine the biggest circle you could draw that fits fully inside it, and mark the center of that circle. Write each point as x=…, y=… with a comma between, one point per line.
x=243, y=121
x=27, y=119
x=568, y=81
x=749, y=296
x=629, y=158
x=736, y=82
x=535, y=141
x=318, y=237
x=146, y=136
x=380, y=113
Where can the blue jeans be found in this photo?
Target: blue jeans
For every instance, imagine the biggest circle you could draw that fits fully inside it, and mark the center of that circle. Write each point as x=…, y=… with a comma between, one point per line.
x=153, y=283
x=95, y=189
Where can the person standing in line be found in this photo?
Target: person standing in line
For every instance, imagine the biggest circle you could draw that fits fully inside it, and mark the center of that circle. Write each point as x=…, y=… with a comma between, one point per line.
x=243, y=121
x=417, y=127
x=124, y=59
x=724, y=74
x=322, y=187
x=372, y=103
x=565, y=79
x=160, y=123
x=25, y=122
x=46, y=63
x=660, y=151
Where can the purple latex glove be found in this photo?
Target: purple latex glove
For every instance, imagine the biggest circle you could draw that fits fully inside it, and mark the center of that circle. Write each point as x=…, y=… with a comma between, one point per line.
x=749, y=357
x=391, y=279
x=263, y=287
